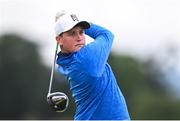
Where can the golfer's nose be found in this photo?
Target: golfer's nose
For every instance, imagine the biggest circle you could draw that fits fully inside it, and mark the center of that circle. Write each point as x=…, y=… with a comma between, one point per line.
x=79, y=37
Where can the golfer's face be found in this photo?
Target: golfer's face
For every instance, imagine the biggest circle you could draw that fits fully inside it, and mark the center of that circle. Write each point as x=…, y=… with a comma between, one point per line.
x=72, y=40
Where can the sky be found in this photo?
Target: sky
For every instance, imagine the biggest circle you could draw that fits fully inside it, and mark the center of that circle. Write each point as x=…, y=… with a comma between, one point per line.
x=141, y=27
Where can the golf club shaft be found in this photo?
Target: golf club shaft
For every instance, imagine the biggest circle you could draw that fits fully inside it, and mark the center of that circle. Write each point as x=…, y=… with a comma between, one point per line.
x=52, y=70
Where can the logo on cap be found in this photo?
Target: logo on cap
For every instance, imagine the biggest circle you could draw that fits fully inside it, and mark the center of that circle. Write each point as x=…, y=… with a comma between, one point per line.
x=74, y=17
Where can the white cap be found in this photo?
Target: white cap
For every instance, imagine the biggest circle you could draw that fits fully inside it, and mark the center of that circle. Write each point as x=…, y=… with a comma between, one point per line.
x=66, y=21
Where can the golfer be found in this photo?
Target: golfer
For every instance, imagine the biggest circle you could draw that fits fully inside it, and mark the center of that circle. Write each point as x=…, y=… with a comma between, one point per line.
x=92, y=82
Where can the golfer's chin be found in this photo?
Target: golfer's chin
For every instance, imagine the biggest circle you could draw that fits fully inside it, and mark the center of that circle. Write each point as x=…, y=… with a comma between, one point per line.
x=75, y=49
x=78, y=47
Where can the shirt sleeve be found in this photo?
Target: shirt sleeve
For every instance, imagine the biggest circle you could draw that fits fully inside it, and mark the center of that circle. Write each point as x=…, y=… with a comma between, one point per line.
x=93, y=57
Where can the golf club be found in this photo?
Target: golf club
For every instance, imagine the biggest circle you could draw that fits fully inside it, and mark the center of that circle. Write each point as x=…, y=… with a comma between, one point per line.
x=58, y=101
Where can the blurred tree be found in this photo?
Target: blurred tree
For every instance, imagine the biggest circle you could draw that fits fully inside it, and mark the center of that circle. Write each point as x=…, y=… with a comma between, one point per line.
x=165, y=65
x=25, y=80
x=143, y=90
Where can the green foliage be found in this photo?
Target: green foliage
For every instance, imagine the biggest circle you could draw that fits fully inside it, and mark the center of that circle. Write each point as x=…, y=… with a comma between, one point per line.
x=145, y=96
x=25, y=81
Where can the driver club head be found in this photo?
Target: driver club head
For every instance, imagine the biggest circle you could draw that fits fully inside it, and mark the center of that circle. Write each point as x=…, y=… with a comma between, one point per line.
x=58, y=101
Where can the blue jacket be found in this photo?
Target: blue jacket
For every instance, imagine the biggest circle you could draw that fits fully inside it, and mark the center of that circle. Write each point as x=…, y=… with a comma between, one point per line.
x=92, y=82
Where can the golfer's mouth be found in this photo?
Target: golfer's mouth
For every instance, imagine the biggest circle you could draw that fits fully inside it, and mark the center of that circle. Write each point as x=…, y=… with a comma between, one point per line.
x=79, y=45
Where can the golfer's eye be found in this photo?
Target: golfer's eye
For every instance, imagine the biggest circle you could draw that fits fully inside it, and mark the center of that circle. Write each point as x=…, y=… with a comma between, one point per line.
x=72, y=33
x=81, y=32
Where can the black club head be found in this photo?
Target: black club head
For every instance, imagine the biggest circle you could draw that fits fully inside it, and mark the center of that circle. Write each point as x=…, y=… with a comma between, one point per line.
x=58, y=101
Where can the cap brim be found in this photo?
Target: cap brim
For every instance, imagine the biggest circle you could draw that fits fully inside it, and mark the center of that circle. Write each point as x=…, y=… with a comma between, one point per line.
x=83, y=24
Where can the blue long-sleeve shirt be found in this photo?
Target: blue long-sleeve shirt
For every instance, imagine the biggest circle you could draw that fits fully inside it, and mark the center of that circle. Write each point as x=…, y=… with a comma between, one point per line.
x=92, y=82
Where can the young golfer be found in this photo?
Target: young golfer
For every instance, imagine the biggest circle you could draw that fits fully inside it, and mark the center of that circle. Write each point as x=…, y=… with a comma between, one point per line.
x=91, y=79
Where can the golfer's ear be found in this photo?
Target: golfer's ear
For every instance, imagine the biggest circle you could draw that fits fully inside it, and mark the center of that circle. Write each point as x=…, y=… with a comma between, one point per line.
x=59, y=40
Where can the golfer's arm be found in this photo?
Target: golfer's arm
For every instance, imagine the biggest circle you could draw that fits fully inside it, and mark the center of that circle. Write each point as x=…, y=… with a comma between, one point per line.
x=98, y=51
x=95, y=31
